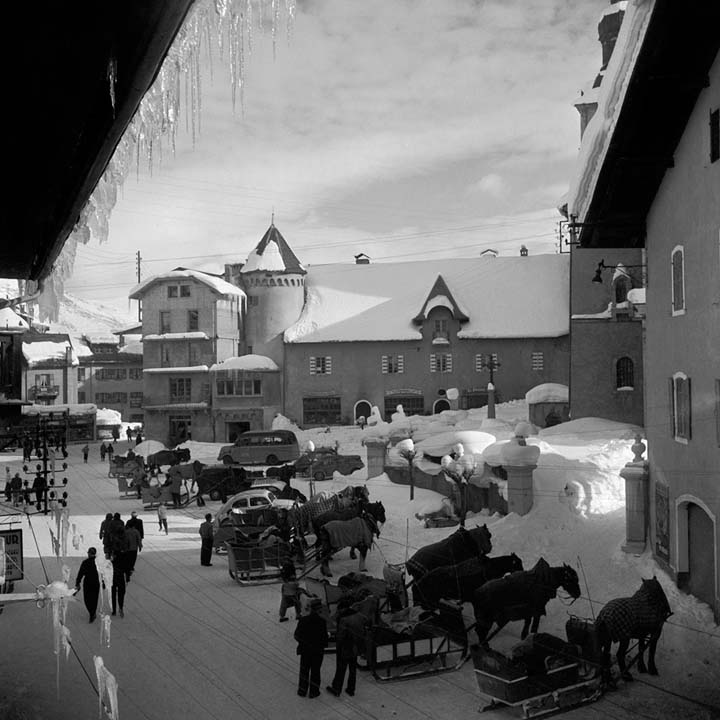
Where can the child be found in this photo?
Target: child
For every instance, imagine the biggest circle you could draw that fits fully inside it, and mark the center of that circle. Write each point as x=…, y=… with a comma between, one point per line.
x=290, y=590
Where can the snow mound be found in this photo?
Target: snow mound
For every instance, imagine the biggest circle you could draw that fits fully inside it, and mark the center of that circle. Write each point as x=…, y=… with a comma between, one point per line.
x=473, y=441
x=593, y=428
x=108, y=416
x=547, y=392
x=256, y=363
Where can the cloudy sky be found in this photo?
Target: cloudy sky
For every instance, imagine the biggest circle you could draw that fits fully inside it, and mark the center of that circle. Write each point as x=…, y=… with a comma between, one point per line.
x=404, y=129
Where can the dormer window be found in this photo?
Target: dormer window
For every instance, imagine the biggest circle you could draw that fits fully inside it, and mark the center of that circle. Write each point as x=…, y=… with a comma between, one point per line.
x=677, y=260
x=441, y=332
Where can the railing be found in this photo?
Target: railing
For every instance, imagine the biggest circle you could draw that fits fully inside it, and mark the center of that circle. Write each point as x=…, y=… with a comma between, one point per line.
x=43, y=391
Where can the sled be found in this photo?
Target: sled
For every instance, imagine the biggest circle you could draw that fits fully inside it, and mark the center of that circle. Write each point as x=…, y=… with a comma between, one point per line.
x=564, y=682
x=256, y=564
x=437, y=644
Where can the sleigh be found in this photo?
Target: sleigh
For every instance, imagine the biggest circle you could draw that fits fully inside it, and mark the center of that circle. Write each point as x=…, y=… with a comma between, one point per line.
x=437, y=643
x=557, y=680
x=254, y=563
x=122, y=467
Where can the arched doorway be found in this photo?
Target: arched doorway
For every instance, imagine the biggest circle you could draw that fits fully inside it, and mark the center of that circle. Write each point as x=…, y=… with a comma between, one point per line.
x=362, y=409
x=440, y=405
x=696, y=549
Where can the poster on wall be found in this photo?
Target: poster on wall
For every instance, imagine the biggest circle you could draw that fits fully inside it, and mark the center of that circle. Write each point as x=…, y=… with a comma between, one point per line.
x=662, y=522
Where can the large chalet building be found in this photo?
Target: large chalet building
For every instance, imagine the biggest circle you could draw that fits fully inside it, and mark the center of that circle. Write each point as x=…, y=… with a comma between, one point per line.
x=325, y=344
x=647, y=193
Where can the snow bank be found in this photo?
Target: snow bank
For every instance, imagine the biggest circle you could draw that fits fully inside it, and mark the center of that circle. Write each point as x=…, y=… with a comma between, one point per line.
x=256, y=363
x=547, y=392
x=592, y=428
x=108, y=416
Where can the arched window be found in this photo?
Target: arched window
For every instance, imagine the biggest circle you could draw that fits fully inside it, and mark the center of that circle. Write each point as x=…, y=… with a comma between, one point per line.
x=677, y=260
x=622, y=286
x=624, y=374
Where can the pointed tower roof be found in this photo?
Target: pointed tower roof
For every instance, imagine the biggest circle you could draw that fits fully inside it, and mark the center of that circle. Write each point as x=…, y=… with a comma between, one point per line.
x=273, y=254
x=440, y=295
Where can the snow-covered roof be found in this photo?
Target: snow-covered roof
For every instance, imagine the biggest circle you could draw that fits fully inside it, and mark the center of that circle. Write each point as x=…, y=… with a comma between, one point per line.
x=10, y=319
x=134, y=347
x=80, y=346
x=636, y=296
x=599, y=131
x=195, y=335
x=75, y=409
x=504, y=297
x=98, y=339
x=186, y=369
x=255, y=363
x=217, y=284
x=37, y=352
x=273, y=254
x=547, y=393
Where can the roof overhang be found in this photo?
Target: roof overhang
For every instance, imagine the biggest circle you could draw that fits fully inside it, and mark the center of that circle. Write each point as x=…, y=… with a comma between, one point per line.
x=680, y=45
x=64, y=126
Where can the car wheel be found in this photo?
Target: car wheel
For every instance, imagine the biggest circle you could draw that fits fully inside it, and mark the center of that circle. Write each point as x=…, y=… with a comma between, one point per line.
x=227, y=460
x=319, y=476
x=215, y=494
x=271, y=460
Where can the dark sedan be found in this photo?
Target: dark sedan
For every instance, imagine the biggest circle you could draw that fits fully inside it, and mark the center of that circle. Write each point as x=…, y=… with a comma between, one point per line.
x=323, y=462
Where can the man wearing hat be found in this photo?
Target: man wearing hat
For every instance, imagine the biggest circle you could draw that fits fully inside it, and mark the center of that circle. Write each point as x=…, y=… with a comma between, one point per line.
x=90, y=579
x=137, y=523
x=312, y=639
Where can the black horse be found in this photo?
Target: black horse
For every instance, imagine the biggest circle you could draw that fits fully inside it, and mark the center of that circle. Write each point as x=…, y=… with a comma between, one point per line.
x=462, y=545
x=521, y=596
x=459, y=582
x=641, y=616
x=355, y=510
x=359, y=532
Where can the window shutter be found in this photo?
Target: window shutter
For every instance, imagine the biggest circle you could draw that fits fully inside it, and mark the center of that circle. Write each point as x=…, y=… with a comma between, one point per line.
x=671, y=405
x=312, y=365
x=449, y=362
x=400, y=364
x=688, y=396
x=384, y=364
x=328, y=364
x=433, y=364
x=478, y=363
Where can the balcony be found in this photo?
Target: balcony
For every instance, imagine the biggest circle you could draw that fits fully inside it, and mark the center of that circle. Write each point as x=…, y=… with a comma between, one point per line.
x=440, y=337
x=43, y=392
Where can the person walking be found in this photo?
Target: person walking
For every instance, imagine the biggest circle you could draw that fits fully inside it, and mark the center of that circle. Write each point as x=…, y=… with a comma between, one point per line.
x=85, y=452
x=110, y=450
x=104, y=533
x=206, y=541
x=312, y=639
x=128, y=433
x=162, y=517
x=63, y=446
x=103, y=451
x=39, y=485
x=116, y=433
x=175, y=481
x=132, y=545
x=8, y=484
x=16, y=487
x=89, y=577
x=290, y=591
x=136, y=522
x=349, y=643
x=117, y=593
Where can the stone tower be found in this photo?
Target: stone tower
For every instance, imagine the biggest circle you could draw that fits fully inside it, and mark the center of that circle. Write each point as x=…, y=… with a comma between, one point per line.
x=274, y=281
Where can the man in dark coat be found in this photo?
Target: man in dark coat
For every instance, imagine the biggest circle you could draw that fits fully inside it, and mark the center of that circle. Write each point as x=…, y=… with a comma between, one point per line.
x=117, y=593
x=312, y=639
x=137, y=523
x=38, y=487
x=206, y=540
x=89, y=577
x=132, y=545
x=349, y=642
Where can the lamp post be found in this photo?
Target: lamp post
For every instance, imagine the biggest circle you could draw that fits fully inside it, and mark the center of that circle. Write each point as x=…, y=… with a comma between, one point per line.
x=490, y=363
x=311, y=454
x=406, y=448
x=460, y=469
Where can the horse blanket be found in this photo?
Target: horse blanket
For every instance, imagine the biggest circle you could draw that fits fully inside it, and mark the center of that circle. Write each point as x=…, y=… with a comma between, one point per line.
x=632, y=616
x=348, y=533
x=461, y=545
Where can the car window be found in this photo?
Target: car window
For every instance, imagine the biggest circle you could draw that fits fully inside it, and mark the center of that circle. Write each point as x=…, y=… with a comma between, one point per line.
x=257, y=501
x=272, y=497
x=241, y=503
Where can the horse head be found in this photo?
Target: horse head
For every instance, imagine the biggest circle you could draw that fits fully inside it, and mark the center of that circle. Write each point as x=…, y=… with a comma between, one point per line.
x=569, y=581
x=372, y=521
x=516, y=564
x=653, y=590
x=481, y=537
x=377, y=510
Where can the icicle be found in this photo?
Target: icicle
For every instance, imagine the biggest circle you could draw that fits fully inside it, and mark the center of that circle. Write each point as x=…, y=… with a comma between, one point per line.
x=64, y=530
x=66, y=574
x=105, y=625
x=112, y=80
x=275, y=12
x=55, y=544
x=3, y=561
x=290, y=11
x=107, y=688
x=77, y=538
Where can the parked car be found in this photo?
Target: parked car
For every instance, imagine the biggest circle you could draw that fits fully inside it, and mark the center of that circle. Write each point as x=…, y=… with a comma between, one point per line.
x=248, y=504
x=323, y=462
x=261, y=447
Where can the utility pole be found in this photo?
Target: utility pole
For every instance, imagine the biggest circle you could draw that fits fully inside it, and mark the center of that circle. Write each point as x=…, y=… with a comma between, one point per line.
x=138, y=258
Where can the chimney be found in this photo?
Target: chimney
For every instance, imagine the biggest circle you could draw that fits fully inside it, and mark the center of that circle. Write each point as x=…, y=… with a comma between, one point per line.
x=362, y=259
x=523, y=251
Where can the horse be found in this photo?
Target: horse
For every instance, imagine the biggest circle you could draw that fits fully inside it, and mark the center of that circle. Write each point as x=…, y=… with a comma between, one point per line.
x=641, y=616
x=376, y=509
x=463, y=544
x=358, y=532
x=459, y=582
x=521, y=596
x=324, y=502
x=168, y=457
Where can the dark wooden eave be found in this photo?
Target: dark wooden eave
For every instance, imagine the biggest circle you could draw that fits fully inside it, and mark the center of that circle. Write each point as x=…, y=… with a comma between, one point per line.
x=62, y=129
x=680, y=45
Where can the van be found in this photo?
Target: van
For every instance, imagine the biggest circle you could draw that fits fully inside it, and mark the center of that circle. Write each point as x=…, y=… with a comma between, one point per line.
x=261, y=447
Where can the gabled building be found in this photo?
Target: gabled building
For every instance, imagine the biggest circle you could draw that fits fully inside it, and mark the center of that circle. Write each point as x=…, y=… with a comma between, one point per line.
x=191, y=320
x=648, y=186
x=49, y=372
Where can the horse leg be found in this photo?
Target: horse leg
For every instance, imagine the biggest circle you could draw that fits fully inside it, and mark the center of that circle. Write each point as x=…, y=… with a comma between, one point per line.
x=363, y=550
x=353, y=554
x=654, y=637
x=620, y=655
x=605, y=663
x=642, y=643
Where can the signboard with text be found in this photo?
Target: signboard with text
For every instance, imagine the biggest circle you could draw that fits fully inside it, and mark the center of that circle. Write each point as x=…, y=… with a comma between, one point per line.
x=13, y=554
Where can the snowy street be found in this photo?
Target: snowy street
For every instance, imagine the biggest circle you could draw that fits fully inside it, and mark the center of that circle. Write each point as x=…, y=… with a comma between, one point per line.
x=194, y=644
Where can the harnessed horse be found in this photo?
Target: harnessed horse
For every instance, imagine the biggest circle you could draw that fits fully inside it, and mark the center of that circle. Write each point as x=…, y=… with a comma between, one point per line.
x=521, y=596
x=641, y=616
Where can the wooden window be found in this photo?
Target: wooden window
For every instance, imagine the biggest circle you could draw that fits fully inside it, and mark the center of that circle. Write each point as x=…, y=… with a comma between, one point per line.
x=135, y=373
x=180, y=390
x=184, y=291
x=537, y=361
x=392, y=364
x=680, y=407
x=441, y=362
x=322, y=410
x=172, y=291
x=678, y=280
x=193, y=321
x=321, y=365
x=136, y=399
x=714, y=135
x=81, y=396
x=411, y=405
x=624, y=374
x=164, y=321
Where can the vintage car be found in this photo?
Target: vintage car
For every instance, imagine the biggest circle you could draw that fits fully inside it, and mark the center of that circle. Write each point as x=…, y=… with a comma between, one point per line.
x=249, y=507
x=261, y=447
x=323, y=462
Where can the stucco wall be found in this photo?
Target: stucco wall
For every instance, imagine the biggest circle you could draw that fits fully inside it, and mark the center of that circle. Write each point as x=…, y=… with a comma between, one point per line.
x=686, y=212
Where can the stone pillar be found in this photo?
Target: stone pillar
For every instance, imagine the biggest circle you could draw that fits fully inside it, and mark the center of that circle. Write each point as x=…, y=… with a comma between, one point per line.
x=376, y=456
x=636, y=478
x=519, y=461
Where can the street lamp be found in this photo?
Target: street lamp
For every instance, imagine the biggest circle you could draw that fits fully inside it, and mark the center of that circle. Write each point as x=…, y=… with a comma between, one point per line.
x=406, y=448
x=490, y=362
